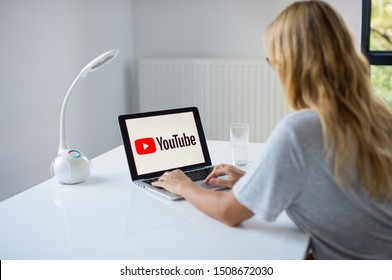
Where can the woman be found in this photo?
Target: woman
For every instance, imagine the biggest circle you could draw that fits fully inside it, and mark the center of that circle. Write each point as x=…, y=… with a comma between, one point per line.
x=329, y=163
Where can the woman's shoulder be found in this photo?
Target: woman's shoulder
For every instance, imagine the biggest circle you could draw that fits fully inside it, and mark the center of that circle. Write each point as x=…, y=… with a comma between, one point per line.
x=301, y=125
x=302, y=120
x=302, y=116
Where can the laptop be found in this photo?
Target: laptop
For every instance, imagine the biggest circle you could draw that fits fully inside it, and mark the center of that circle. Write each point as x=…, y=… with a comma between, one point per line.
x=160, y=141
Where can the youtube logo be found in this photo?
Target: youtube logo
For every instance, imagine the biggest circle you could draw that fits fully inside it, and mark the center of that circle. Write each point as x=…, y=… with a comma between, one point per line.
x=145, y=146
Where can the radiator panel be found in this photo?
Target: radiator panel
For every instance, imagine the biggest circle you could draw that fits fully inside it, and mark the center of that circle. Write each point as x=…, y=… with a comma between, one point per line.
x=224, y=90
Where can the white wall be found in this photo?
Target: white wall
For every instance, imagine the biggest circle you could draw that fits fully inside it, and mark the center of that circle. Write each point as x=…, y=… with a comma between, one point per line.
x=44, y=45
x=210, y=28
x=201, y=28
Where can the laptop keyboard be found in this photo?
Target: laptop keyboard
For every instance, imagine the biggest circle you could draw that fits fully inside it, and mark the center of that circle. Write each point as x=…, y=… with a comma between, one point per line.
x=199, y=174
x=194, y=175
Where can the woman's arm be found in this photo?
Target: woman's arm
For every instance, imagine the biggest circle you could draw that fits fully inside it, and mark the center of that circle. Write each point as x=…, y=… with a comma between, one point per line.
x=221, y=205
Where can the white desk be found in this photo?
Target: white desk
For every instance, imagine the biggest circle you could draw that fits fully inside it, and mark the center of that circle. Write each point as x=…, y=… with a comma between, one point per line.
x=108, y=217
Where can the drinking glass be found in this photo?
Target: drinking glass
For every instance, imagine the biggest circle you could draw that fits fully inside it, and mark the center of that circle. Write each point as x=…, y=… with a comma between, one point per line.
x=239, y=142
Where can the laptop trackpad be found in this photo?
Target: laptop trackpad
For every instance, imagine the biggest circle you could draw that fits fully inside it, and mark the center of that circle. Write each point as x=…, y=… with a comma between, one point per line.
x=211, y=186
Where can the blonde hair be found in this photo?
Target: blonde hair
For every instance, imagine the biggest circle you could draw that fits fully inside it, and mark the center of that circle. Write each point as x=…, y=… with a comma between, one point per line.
x=320, y=68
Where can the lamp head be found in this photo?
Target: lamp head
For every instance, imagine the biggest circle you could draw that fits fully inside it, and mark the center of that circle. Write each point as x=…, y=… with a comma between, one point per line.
x=71, y=166
x=98, y=62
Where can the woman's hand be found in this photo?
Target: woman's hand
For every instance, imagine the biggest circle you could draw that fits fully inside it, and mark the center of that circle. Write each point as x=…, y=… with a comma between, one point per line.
x=233, y=175
x=223, y=206
x=172, y=181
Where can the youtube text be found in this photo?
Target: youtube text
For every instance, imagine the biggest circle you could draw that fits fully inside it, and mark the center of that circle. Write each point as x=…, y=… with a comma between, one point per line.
x=176, y=142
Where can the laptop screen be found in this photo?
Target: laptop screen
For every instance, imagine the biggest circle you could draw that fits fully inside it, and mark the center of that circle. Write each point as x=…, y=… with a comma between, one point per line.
x=163, y=140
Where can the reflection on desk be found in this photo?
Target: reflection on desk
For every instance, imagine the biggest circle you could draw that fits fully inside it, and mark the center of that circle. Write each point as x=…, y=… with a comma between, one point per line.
x=108, y=217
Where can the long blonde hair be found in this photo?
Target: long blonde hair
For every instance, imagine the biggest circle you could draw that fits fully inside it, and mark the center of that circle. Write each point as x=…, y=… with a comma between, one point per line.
x=315, y=56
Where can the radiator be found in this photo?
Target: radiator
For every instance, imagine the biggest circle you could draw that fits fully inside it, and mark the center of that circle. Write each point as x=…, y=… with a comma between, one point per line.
x=224, y=90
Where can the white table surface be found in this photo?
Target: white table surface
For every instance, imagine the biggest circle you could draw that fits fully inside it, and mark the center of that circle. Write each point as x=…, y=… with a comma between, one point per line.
x=108, y=217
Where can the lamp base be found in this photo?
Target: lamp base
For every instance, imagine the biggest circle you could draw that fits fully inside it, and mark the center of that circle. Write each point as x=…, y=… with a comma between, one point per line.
x=71, y=167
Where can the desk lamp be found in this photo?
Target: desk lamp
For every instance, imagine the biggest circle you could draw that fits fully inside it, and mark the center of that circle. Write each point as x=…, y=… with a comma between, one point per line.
x=71, y=166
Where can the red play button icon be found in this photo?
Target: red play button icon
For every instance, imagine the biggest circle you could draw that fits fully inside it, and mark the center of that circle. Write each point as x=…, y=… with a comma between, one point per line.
x=145, y=146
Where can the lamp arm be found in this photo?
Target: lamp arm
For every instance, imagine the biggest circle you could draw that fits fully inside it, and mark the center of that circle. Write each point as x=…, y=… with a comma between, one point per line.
x=63, y=132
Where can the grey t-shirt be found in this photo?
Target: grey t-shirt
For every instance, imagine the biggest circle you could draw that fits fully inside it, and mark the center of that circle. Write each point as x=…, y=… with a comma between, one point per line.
x=292, y=175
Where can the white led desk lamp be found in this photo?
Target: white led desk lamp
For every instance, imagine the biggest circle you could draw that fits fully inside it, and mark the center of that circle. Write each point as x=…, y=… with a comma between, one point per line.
x=71, y=166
